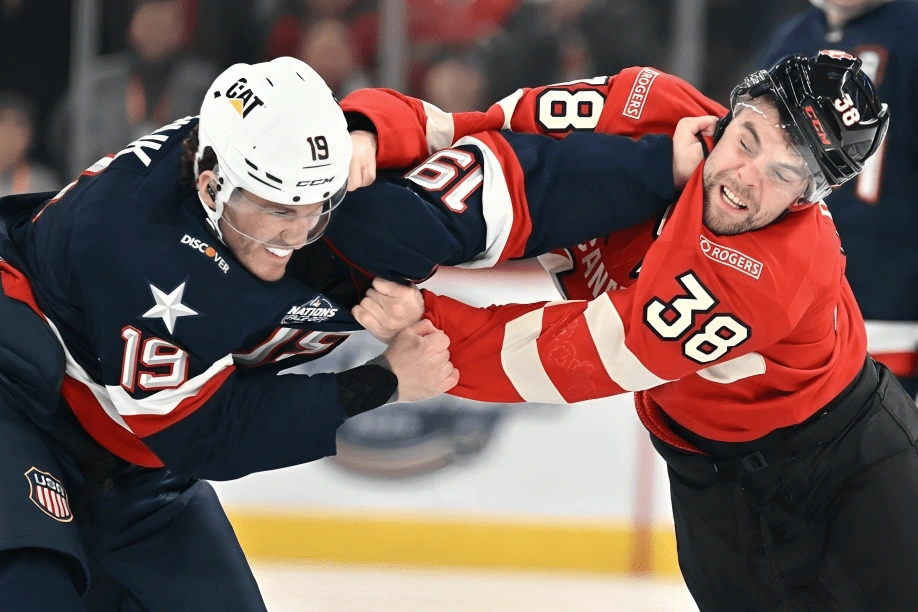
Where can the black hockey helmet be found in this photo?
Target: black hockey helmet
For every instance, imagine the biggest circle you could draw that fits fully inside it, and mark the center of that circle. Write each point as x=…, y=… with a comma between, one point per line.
x=829, y=107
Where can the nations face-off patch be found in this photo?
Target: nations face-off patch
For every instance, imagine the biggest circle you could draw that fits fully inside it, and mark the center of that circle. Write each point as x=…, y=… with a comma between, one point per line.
x=49, y=495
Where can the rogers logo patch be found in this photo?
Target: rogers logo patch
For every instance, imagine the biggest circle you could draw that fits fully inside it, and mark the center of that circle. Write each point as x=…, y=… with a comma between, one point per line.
x=731, y=257
x=634, y=106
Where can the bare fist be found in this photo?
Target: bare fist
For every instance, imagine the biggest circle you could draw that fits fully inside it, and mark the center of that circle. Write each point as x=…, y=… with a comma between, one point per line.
x=688, y=152
x=419, y=357
x=362, y=171
x=388, y=308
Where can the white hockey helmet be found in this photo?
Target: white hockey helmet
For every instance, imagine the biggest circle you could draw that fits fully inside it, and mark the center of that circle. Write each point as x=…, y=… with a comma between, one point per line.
x=278, y=133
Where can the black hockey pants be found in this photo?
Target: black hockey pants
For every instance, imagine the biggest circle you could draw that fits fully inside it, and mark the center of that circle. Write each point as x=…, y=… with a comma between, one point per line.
x=817, y=517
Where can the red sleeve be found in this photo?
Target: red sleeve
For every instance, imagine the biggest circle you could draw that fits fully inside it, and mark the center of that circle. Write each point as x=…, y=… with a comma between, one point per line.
x=690, y=309
x=637, y=101
x=409, y=129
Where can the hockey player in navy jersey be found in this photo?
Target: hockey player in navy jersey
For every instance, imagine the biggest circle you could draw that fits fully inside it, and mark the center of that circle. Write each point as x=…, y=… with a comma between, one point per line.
x=876, y=214
x=149, y=306
x=143, y=324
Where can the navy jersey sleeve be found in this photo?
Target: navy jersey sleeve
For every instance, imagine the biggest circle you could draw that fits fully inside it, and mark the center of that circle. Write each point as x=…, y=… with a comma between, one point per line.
x=497, y=196
x=590, y=185
x=164, y=332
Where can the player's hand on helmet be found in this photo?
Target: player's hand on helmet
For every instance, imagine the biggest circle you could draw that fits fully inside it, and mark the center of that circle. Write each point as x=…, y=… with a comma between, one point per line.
x=363, y=160
x=419, y=357
x=388, y=308
x=688, y=151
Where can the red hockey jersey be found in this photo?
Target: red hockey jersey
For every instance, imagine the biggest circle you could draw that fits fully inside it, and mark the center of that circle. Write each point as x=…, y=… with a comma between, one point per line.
x=732, y=336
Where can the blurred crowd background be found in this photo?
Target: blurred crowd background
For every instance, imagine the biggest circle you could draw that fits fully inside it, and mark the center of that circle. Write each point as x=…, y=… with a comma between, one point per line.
x=142, y=63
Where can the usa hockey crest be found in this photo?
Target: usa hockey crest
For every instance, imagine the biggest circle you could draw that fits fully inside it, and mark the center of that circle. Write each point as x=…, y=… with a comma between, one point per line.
x=49, y=495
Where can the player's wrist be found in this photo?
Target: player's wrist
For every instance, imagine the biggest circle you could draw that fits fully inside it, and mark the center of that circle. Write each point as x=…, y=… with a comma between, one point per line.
x=367, y=386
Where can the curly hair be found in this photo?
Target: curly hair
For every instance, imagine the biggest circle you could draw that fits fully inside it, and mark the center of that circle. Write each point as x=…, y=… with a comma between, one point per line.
x=187, y=177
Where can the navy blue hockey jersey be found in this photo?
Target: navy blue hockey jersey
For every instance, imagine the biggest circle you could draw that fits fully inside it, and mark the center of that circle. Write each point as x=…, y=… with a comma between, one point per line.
x=877, y=213
x=164, y=329
x=496, y=196
x=173, y=347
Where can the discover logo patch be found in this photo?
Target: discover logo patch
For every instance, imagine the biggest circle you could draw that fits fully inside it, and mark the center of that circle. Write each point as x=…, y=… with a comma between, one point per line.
x=208, y=250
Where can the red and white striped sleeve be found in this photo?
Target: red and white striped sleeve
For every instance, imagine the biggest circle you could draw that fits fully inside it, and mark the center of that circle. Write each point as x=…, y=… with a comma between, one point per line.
x=409, y=129
x=687, y=312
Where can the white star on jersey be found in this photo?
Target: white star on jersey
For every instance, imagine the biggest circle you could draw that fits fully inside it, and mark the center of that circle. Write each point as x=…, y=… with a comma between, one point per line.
x=168, y=307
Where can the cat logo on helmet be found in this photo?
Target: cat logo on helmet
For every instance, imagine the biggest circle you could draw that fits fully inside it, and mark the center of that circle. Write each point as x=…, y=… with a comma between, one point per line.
x=243, y=98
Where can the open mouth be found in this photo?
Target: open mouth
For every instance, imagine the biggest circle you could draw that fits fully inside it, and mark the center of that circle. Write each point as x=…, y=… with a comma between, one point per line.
x=279, y=253
x=732, y=201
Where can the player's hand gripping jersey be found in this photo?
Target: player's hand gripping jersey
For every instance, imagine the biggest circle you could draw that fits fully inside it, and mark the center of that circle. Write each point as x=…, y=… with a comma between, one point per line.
x=172, y=346
x=754, y=329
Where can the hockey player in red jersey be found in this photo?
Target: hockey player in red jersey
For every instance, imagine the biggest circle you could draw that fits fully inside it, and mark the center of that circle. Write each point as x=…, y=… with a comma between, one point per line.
x=792, y=454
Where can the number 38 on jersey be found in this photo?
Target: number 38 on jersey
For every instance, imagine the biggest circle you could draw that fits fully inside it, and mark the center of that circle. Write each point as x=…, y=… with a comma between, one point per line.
x=671, y=320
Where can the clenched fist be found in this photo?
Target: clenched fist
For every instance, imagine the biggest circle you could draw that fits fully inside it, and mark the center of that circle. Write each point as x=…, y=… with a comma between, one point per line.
x=362, y=171
x=688, y=152
x=388, y=308
x=419, y=357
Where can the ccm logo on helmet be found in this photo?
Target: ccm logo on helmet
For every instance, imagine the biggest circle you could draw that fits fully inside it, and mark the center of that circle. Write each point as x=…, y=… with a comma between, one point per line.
x=242, y=98
x=817, y=125
x=315, y=182
x=208, y=250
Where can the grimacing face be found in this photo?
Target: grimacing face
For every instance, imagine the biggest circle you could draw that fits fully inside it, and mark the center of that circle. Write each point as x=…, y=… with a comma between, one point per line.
x=754, y=173
x=247, y=226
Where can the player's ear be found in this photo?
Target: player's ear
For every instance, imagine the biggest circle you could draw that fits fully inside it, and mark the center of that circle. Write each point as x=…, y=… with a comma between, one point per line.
x=205, y=190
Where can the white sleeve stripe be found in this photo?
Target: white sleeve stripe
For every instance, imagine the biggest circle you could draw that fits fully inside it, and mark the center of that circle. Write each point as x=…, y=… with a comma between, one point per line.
x=732, y=370
x=608, y=333
x=522, y=363
x=508, y=105
x=891, y=336
x=439, y=129
x=497, y=208
x=164, y=402
x=75, y=371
